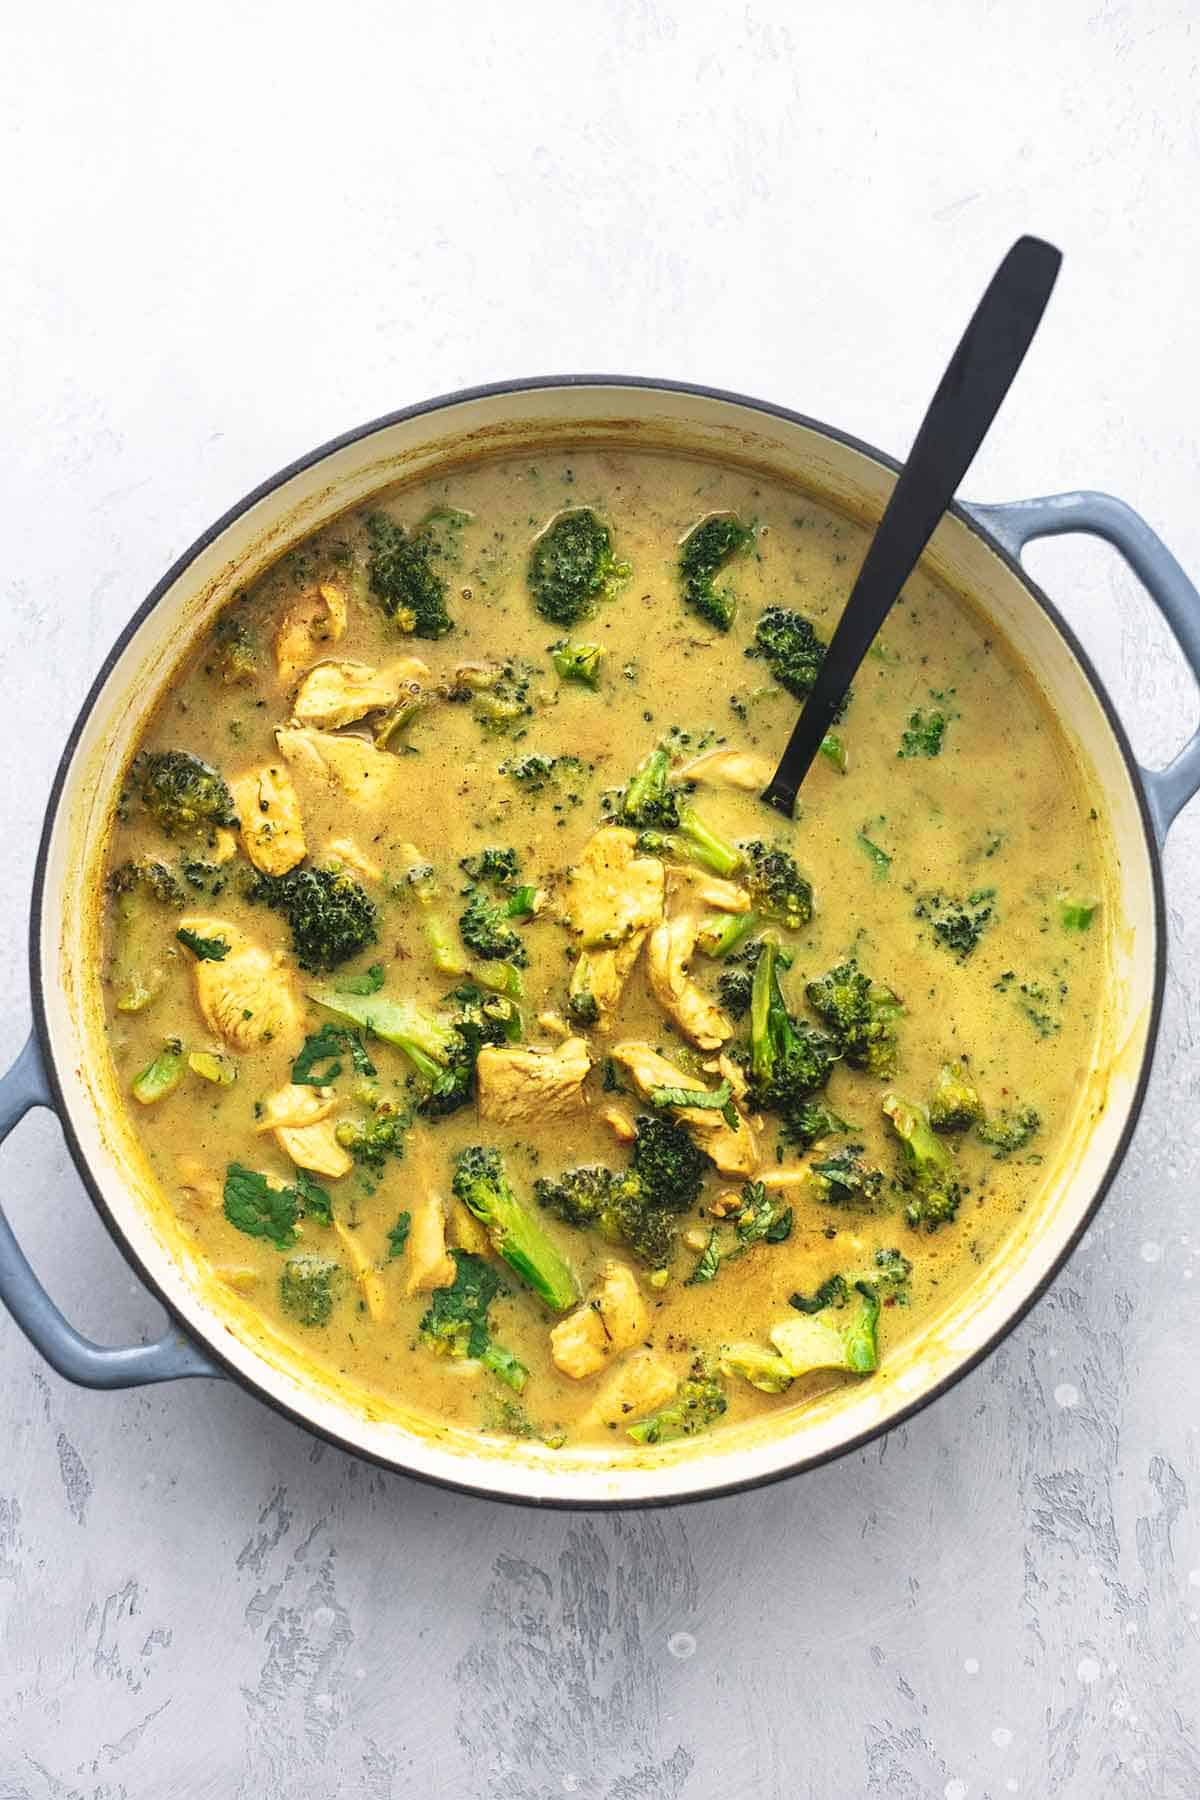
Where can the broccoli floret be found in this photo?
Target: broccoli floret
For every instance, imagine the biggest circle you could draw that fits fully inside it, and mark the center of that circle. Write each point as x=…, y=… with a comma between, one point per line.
x=578, y=662
x=923, y=734
x=698, y=1402
x=1010, y=1132
x=669, y=825
x=702, y=555
x=639, y=1206
x=845, y=1180
x=330, y=916
x=561, y=776
x=789, y=1059
x=498, y=692
x=456, y=1323
x=234, y=659
x=498, y=868
x=581, y=1197
x=143, y=876
x=516, y=1235
x=927, y=1166
x=861, y=1016
x=572, y=565
x=954, y=1104
x=373, y=1139
x=403, y=579
x=138, y=970
x=811, y=1121
x=484, y=928
x=791, y=649
x=957, y=924
x=667, y=1164
x=734, y=989
x=308, y=1287
x=778, y=891
x=182, y=794
x=839, y=1324
x=442, y=1051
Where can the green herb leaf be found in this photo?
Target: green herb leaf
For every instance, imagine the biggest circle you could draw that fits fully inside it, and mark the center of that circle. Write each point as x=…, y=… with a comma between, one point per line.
x=202, y=948
x=719, y=1100
x=258, y=1209
x=879, y=859
x=398, y=1235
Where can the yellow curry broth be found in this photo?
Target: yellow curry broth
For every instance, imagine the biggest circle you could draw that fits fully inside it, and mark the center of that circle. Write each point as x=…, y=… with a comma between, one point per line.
x=999, y=808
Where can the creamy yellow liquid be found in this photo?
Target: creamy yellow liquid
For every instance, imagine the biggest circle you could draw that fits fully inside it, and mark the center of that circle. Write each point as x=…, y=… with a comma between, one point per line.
x=999, y=808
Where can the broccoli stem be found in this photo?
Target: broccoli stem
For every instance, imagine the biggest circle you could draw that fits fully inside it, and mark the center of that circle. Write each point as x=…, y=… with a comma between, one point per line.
x=706, y=847
x=720, y=935
x=447, y=957
x=516, y=1234
x=162, y=1076
x=427, y=1041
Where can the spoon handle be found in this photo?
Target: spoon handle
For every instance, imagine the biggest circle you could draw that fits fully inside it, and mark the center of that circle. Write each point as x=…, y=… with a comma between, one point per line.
x=978, y=376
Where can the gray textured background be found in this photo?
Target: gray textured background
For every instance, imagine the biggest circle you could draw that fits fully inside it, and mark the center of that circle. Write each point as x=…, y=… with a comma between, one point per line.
x=230, y=231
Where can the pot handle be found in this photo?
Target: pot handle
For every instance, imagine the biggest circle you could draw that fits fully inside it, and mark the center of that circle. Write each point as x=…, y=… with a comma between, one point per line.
x=65, y=1349
x=1020, y=521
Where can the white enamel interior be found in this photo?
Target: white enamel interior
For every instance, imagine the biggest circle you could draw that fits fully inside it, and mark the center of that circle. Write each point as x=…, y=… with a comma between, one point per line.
x=837, y=474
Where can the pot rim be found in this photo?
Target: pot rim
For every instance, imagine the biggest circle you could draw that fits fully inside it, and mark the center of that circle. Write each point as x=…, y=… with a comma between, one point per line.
x=524, y=385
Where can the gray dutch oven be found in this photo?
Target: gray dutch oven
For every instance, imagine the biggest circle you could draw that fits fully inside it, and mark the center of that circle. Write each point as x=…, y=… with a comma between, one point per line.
x=64, y=1066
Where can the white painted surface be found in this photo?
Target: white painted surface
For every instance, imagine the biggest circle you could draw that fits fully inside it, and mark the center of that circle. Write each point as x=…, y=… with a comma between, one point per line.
x=227, y=234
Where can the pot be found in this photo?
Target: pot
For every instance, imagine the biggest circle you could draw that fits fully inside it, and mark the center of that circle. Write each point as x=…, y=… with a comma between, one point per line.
x=975, y=550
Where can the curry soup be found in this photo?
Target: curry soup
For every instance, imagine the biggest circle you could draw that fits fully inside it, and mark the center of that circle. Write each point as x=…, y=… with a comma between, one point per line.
x=411, y=983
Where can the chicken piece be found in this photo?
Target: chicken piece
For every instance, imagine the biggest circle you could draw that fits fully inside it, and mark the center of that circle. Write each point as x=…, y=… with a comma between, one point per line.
x=338, y=693
x=698, y=1017
x=612, y=892
x=735, y=1152
x=345, y=850
x=618, y=1122
x=353, y=767
x=225, y=847
x=735, y=1075
x=639, y=1384
x=269, y=815
x=295, y=1105
x=304, y=1130
x=430, y=1264
x=198, y=1181
x=554, y=1024
x=315, y=1147
x=307, y=627
x=602, y=974
x=515, y=1084
x=247, y=998
x=612, y=1319
x=729, y=768
x=707, y=890
x=370, y=1281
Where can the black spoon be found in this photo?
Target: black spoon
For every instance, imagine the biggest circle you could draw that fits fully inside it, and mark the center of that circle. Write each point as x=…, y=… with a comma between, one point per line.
x=978, y=376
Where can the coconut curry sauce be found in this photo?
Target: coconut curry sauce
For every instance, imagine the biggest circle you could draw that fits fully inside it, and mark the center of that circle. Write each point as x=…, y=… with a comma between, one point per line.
x=411, y=981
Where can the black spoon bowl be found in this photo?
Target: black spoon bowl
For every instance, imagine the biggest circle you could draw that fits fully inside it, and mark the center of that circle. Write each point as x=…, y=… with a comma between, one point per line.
x=968, y=397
